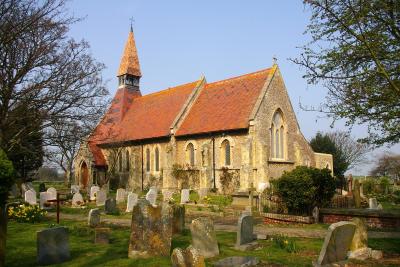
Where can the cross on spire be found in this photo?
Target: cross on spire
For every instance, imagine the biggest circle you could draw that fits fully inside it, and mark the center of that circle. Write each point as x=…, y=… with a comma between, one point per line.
x=132, y=21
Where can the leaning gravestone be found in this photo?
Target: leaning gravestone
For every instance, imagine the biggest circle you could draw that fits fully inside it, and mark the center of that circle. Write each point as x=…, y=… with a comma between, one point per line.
x=203, y=237
x=151, y=196
x=189, y=257
x=53, y=246
x=151, y=230
x=178, y=221
x=101, y=197
x=44, y=196
x=74, y=189
x=93, y=192
x=77, y=200
x=110, y=206
x=373, y=204
x=132, y=201
x=94, y=217
x=53, y=193
x=42, y=187
x=185, y=196
x=121, y=194
x=336, y=244
x=30, y=197
x=245, y=233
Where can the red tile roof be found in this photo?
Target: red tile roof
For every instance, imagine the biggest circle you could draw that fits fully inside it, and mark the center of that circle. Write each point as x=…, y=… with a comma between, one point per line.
x=224, y=105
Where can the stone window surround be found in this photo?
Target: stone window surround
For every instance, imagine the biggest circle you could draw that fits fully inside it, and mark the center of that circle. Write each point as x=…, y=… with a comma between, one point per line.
x=222, y=151
x=187, y=157
x=157, y=146
x=272, y=140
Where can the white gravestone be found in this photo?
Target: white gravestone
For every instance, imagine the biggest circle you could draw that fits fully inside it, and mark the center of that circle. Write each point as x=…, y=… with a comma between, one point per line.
x=121, y=194
x=185, y=196
x=373, y=204
x=132, y=201
x=93, y=191
x=77, y=200
x=262, y=186
x=44, y=196
x=26, y=186
x=74, y=189
x=53, y=193
x=30, y=197
x=151, y=196
x=101, y=198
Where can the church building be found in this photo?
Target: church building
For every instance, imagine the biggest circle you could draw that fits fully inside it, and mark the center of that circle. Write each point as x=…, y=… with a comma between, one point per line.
x=195, y=135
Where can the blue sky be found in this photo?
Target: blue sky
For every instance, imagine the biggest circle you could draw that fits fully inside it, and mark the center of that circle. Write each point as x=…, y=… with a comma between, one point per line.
x=178, y=41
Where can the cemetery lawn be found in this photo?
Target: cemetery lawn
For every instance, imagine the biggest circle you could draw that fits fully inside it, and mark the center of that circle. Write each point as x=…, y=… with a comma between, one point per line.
x=21, y=247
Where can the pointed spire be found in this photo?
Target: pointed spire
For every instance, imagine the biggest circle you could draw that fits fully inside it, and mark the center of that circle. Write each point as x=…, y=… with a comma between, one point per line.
x=130, y=61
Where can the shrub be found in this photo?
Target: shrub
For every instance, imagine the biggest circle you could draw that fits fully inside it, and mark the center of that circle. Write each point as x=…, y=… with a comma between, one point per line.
x=368, y=186
x=304, y=188
x=26, y=213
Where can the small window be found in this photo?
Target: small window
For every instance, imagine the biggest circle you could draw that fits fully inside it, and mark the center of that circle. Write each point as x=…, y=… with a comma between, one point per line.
x=148, y=160
x=127, y=158
x=157, y=159
x=190, y=154
x=227, y=152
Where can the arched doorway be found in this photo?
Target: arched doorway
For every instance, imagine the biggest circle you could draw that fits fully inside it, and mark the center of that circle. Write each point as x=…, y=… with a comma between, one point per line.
x=84, y=175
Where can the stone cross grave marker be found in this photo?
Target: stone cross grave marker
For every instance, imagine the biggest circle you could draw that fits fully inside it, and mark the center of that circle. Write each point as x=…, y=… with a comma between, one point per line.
x=245, y=233
x=94, y=217
x=74, y=189
x=58, y=200
x=53, y=246
x=43, y=198
x=53, y=193
x=132, y=201
x=203, y=237
x=151, y=230
x=336, y=244
x=185, y=196
x=93, y=192
x=151, y=196
x=121, y=194
x=30, y=197
x=77, y=200
x=101, y=197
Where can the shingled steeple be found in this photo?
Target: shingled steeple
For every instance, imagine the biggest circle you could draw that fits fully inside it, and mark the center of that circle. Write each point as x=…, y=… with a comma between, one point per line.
x=129, y=69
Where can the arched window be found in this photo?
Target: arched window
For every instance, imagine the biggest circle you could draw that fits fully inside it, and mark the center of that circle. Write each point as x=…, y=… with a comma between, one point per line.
x=226, y=150
x=128, y=164
x=277, y=133
x=147, y=159
x=190, y=154
x=157, y=159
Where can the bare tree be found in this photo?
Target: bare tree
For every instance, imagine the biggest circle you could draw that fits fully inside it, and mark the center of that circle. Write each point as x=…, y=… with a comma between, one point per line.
x=387, y=165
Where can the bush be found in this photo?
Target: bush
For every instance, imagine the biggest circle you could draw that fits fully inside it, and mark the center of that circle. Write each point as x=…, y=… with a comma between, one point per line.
x=368, y=186
x=26, y=213
x=304, y=188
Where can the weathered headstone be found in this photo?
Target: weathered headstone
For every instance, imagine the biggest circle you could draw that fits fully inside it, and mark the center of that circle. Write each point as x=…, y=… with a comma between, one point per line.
x=245, y=233
x=43, y=197
x=360, y=239
x=110, y=206
x=94, y=217
x=77, y=200
x=185, y=196
x=74, y=189
x=101, y=197
x=336, y=244
x=93, y=192
x=121, y=195
x=237, y=261
x=53, y=246
x=42, y=187
x=132, y=201
x=178, y=221
x=151, y=196
x=356, y=194
x=102, y=235
x=373, y=204
x=315, y=214
x=53, y=193
x=203, y=237
x=189, y=257
x=30, y=197
x=151, y=230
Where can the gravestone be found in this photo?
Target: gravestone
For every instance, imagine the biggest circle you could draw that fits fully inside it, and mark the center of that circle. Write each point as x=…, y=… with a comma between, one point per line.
x=43, y=197
x=53, y=193
x=336, y=244
x=185, y=196
x=121, y=194
x=30, y=197
x=15, y=191
x=373, y=204
x=77, y=200
x=360, y=239
x=315, y=214
x=132, y=201
x=110, y=206
x=203, y=237
x=167, y=194
x=356, y=194
x=151, y=230
x=178, y=221
x=93, y=192
x=237, y=261
x=74, y=189
x=42, y=187
x=151, y=196
x=102, y=235
x=189, y=257
x=380, y=207
x=26, y=186
x=245, y=233
x=53, y=246
x=101, y=197
x=94, y=217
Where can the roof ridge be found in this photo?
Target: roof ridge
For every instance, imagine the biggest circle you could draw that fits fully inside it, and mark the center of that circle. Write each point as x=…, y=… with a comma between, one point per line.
x=241, y=76
x=164, y=90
